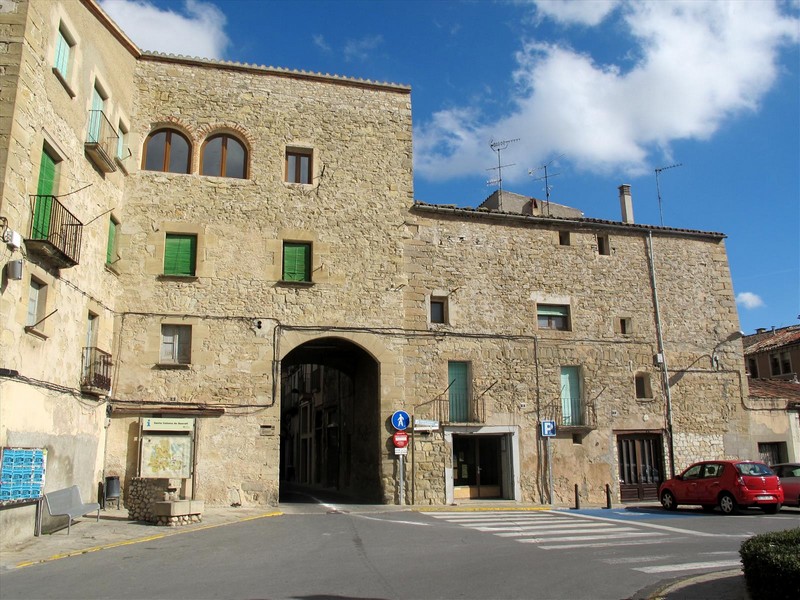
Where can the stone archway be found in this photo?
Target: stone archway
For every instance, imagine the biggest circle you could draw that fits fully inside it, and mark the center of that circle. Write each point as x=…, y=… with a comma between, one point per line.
x=330, y=419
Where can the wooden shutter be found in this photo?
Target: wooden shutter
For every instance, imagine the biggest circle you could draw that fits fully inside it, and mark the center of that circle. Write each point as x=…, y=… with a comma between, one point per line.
x=458, y=380
x=44, y=200
x=296, y=262
x=180, y=254
x=62, y=54
x=94, y=117
x=112, y=242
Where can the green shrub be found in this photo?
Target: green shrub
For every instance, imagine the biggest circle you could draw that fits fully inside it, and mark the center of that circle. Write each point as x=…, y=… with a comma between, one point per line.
x=772, y=565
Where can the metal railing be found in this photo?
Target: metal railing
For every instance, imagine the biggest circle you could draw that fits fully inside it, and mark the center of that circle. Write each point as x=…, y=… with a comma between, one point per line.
x=456, y=410
x=55, y=231
x=96, y=369
x=102, y=140
x=571, y=412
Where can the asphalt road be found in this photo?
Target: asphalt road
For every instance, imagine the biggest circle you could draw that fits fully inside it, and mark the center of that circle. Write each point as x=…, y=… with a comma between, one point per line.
x=327, y=551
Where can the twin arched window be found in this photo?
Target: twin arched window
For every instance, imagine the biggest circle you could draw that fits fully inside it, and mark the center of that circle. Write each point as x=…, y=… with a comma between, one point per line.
x=169, y=151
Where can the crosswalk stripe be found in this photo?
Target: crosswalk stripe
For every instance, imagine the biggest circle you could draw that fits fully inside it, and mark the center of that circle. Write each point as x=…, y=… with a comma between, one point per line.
x=626, y=543
x=547, y=533
x=525, y=530
x=689, y=566
x=516, y=527
x=575, y=538
x=628, y=560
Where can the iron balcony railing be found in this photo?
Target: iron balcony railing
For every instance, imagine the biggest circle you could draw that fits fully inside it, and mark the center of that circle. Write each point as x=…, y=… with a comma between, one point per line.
x=571, y=413
x=101, y=141
x=55, y=232
x=454, y=410
x=95, y=370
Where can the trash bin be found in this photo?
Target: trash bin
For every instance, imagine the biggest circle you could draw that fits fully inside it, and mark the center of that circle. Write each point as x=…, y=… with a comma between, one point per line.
x=112, y=491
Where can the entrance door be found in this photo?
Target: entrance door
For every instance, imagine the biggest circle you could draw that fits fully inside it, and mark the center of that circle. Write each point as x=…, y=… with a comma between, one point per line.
x=640, y=466
x=477, y=471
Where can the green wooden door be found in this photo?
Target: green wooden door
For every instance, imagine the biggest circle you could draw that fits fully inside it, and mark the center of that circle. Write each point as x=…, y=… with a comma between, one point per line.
x=44, y=198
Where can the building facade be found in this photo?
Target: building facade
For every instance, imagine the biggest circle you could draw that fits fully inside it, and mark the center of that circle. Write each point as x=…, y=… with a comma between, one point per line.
x=255, y=291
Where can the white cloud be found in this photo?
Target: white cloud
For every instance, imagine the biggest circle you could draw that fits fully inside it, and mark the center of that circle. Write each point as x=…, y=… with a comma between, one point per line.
x=198, y=31
x=571, y=11
x=361, y=49
x=319, y=42
x=699, y=64
x=749, y=300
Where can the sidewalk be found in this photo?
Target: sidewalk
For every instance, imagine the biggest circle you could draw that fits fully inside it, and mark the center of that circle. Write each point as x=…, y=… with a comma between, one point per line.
x=115, y=529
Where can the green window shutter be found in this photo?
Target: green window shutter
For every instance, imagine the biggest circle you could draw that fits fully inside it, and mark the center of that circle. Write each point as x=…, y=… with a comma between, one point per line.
x=552, y=310
x=458, y=380
x=44, y=200
x=62, y=54
x=112, y=242
x=95, y=116
x=296, y=262
x=180, y=252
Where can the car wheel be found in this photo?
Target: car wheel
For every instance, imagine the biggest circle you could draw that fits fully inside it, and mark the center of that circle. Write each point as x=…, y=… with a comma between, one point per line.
x=708, y=507
x=771, y=509
x=668, y=500
x=727, y=504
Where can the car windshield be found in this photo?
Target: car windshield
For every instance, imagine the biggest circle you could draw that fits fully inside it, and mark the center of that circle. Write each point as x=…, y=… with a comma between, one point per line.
x=753, y=469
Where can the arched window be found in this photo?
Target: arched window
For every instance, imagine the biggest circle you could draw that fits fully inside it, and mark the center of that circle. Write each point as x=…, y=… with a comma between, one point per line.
x=167, y=150
x=223, y=156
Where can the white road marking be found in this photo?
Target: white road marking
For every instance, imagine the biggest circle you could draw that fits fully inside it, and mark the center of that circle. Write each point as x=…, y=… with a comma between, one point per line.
x=636, y=559
x=575, y=538
x=601, y=544
x=661, y=527
x=391, y=520
x=525, y=530
x=689, y=566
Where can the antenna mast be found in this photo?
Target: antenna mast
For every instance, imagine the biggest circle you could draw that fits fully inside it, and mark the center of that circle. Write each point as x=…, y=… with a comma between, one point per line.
x=545, y=178
x=658, y=188
x=499, y=147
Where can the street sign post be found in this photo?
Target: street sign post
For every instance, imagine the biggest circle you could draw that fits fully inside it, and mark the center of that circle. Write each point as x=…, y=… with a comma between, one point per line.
x=549, y=431
x=400, y=421
x=400, y=439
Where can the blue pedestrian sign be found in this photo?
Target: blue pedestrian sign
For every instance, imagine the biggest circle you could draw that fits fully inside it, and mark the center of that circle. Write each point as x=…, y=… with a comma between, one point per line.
x=400, y=420
x=548, y=428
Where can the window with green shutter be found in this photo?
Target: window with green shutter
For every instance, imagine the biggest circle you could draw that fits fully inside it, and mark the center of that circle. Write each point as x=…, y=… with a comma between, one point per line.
x=296, y=261
x=459, y=389
x=180, y=254
x=553, y=316
x=111, y=248
x=44, y=197
x=61, y=62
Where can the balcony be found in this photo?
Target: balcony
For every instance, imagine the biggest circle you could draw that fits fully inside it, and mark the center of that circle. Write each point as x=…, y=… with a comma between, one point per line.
x=571, y=414
x=55, y=232
x=95, y=372
x=101, y=142
x=451, y=411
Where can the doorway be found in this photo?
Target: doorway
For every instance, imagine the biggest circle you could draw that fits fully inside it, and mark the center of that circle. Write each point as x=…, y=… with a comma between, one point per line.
x=477, y=466
x=641, y=466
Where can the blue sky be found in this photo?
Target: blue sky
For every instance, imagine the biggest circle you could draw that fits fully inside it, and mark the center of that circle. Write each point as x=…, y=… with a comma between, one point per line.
x=603, y=92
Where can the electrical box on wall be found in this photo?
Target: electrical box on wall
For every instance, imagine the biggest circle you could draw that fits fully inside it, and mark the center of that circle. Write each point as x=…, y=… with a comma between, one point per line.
x=658, y=359
x=267, y=430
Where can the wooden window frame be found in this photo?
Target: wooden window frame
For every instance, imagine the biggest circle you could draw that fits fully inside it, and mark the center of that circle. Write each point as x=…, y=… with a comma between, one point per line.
x=181, y=346
x=550, y=323
x=297, y=176
x=443, y=301
x=224, y=155
x=167, y=150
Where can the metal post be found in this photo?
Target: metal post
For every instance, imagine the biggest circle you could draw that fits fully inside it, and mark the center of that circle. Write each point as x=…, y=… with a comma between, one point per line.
x=577, y=498
x=608, y=496
x=549, y=472
x=402, y=477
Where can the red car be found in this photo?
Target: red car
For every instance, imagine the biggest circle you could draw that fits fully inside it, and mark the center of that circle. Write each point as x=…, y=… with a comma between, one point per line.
x=790, y=482
x=729, y=484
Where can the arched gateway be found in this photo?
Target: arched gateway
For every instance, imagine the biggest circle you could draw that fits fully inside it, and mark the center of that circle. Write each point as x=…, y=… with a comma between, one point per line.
x=330, y=419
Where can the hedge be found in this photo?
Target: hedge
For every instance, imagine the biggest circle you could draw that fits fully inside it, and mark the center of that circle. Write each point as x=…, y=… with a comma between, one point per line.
x=771, y=563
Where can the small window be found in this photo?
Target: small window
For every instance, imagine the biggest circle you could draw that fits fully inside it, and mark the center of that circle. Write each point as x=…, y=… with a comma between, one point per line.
x=176, y=344
x=63, y=56
x=37, y=298
x=553, y=316
x=643, y=389
x=780, y=363
x=563, y=238
x=122, y=141
x=224, y=156
x=97, y=119
x=168, y=151
x=180, y=254
x=111, y=247
x=298, y=166
x=296, y=261
x=624, y=326
x=752, y=367
x=603, y=246
x=438, y=309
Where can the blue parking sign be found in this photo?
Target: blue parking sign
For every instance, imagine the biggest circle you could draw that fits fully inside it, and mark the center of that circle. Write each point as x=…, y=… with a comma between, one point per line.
x=548, y=429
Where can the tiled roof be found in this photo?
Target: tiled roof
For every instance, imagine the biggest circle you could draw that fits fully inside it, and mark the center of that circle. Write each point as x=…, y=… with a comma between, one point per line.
x=770, y=340
x=775, y=388
x=485, y=212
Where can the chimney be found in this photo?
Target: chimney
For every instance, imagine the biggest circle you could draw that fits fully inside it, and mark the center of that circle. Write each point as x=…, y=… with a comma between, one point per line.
x=626, y=203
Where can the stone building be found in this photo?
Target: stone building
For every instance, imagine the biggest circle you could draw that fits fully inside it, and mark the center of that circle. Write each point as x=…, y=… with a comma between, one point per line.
x=254, y=291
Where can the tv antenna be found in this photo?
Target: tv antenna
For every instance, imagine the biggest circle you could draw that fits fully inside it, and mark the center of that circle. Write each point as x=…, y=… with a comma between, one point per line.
x=658, y=188
x=499, y=147
x=545, y=178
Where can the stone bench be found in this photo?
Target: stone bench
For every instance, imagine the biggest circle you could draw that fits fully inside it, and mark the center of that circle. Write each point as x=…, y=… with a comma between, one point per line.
x=178, y=512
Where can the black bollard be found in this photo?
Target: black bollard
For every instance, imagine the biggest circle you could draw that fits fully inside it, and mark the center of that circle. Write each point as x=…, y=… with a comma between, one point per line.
x=577, y=498
x=608, y=496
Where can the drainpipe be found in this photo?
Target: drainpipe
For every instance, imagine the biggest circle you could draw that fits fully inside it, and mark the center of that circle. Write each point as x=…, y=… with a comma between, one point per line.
x=662, y=356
